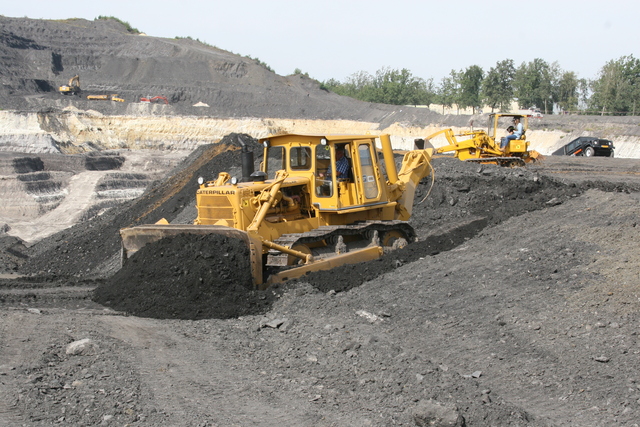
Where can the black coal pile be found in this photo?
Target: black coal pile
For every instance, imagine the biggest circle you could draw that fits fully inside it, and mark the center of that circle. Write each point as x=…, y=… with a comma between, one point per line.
x=39, y=55
x=186, y=277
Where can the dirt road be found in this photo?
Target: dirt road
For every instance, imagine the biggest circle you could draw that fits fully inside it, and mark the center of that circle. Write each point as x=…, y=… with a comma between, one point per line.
x=527, y=318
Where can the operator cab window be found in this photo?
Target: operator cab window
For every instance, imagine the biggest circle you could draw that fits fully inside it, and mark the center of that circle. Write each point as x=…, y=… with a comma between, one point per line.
x=343, y=173
x=275, y=161
x=324, y=185
x=300, y=158
x=369, y=182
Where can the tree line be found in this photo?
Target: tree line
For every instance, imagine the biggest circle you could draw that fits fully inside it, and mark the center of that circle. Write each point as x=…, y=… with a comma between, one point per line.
x=537, y=83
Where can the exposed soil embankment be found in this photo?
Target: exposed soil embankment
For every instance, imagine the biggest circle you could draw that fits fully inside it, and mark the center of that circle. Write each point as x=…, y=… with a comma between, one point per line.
x=235, y=93
x=43, y=55
x=45, y=193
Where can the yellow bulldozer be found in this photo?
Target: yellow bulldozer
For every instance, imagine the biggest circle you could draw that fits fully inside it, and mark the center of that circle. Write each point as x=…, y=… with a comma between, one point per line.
x=485, y=147
x=72, y=88
x=296, y=215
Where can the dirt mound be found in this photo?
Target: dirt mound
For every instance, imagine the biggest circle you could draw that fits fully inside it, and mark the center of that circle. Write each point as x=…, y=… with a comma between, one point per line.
x=37, y=56
x=464, y=199
x=186, y=277
x=92, y=248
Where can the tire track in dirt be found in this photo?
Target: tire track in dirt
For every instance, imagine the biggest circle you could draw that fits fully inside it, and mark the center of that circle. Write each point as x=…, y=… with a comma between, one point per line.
x=16, y=348
x=196, y=384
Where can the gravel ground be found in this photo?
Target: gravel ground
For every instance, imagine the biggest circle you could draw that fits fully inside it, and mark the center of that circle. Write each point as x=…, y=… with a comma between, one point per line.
x=517, y=306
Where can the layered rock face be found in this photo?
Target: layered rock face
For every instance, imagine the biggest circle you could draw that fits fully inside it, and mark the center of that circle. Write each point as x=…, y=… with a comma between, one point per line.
x=44, y=193
x=236, y=94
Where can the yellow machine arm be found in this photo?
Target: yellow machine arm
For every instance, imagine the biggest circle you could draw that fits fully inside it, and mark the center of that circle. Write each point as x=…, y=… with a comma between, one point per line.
x=401, y=186
x=476, y=145
x=415, y=166
x=266, y=199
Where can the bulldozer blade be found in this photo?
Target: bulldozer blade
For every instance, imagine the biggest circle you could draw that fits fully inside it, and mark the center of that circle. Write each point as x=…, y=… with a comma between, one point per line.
x=354, y=257
x=134, y=238
x=535, y=156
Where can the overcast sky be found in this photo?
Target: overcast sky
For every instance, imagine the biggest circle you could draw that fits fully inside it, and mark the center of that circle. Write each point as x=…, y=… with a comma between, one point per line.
x=337, y=38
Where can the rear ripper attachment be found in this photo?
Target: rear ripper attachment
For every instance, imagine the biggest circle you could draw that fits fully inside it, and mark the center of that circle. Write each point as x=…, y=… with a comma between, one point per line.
x=317, y=202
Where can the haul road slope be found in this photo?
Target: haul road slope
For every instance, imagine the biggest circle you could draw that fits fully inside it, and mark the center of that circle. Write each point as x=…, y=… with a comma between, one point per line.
x=517, y=306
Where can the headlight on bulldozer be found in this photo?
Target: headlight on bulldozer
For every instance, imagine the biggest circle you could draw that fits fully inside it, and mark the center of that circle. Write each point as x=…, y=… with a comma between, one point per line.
x=200, y=180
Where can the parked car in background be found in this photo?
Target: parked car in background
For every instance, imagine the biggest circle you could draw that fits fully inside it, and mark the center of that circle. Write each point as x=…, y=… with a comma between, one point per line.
x=535, y=113
x=586, y=146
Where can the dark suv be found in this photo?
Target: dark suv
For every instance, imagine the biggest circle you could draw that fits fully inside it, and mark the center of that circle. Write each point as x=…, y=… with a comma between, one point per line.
x=586, y=146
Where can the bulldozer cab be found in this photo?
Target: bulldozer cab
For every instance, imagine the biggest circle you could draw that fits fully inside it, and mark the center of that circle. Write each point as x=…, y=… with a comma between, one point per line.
x=499, y=122
x=343, y=173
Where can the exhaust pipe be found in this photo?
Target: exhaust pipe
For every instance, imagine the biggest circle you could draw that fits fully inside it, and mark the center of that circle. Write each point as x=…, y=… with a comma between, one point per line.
x=247, y=161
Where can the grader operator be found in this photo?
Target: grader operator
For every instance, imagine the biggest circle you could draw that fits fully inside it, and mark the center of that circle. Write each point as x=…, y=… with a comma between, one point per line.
x=296, y=214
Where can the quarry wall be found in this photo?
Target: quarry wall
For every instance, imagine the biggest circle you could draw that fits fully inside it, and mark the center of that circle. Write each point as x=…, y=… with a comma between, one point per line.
x=75, y=131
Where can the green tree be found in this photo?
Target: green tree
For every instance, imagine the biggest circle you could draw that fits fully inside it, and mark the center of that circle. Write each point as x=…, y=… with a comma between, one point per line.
x=353, y=86
x=567, y=91
x=497, y=86
x=470, y=86
x=448, y=91
x=388, y=86
x=399, y=87
x=617, y=90
x=584, y=94
x=534, y=84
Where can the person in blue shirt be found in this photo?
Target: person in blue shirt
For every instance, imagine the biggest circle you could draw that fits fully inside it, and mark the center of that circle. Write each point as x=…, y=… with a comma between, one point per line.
x=504, y=141
x=518, y=131
x=342, y=165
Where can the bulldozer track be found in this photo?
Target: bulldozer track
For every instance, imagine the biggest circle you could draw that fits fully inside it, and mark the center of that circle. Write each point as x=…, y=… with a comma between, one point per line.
x=501, y=161
x=325, y=233
x=47, y=295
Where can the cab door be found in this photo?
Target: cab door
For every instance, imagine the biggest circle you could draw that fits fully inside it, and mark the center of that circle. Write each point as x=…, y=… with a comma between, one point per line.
x=366, y=173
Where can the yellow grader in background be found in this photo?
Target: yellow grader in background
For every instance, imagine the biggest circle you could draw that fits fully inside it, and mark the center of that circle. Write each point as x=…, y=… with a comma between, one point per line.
x=295, y=215
x=484, y=147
